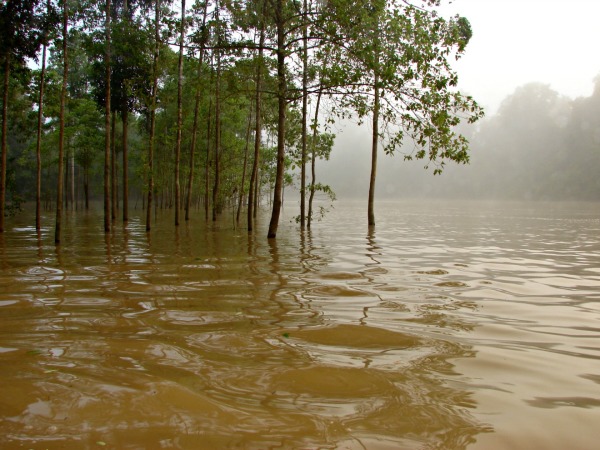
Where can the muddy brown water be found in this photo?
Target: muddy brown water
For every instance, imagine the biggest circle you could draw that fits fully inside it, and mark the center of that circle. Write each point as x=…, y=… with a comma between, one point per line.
x=451, y=326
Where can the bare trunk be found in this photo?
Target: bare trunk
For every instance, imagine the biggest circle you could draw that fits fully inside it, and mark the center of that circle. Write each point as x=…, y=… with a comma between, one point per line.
x=125, y=118
x=179, y=115
x=304, y=119
x=374, y=145
x=207, y=166
x=72, y=179
x=113, y=169
x=38, y=148
x=314, y=159
x=107, y=129
x=252, y=193
x=195, y=125
x=61, y=130
x=216, y=186
x=243, y=183
x=281, y=97
x=153, y=115
x=4, y=140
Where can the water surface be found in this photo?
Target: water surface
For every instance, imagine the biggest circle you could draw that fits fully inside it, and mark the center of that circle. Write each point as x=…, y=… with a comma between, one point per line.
x=451, y=326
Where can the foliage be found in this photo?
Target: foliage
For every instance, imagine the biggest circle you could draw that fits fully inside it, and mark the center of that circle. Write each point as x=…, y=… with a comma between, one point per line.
x=341, y=50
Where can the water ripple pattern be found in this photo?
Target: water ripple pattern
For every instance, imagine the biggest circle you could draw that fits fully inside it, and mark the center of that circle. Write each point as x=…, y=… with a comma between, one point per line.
x=449, y=326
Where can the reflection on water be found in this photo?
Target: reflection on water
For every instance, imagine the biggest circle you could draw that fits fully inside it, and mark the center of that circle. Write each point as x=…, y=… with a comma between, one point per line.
x=450, y=326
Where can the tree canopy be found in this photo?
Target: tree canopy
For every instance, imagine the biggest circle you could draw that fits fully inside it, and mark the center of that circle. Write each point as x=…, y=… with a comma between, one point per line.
x=264, y=75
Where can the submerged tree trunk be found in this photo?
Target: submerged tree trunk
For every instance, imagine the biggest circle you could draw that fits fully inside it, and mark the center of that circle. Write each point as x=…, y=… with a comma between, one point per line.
x=374, y=145
x=244, y=168
x=216, y=186
x=252, y=194
x=207, y=166
x=125, y=118
x=4, y=139
x=107, y=128
x=304, y=120
x=313, y=159
x=179, y=115
x=113, y=168
x=72, y=179
x=153, y=115
x=86, y=187
x=38, y=147
x=61, y=129
x=188, y=202
x=281, y=97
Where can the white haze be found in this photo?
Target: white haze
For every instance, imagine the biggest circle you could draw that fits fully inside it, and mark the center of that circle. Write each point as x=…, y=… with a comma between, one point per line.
x=515, y=42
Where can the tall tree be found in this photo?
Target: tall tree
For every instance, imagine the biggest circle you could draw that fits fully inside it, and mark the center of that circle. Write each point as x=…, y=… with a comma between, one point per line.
x=61, y=136
x=107, y=111
x=203, y=40
x=257, y=118
x=304, y=116
x=38, y=149
x=23, y=25
x=397, y=56
x=179, y=113
x=281, y=21
x=151, y=143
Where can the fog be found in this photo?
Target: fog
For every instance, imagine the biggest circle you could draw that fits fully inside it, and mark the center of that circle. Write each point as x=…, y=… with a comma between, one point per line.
x=540, y=145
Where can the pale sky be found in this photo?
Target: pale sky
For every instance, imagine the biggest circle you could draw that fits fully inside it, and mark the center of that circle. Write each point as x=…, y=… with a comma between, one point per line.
x=555, y=42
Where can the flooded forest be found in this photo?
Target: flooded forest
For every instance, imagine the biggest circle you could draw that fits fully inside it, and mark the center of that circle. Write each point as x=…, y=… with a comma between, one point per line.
x=215, y=104
x=175, y=273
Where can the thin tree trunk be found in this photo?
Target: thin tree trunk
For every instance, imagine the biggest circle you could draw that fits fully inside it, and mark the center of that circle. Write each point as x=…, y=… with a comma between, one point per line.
x=304, y=120
x=61, y=132
x=216, y=185
x=252, y=192
x=179, y=115
x=374, y=145
x=153, y=115
x=314, y=158
x=207, y=166
x=72, y=180
x=195, y=125
x=86, y=187
x=38, y=148
x=125, y=118
x=107, y=128
x=242, y=184
x=113, y=168
x=4, y=139
x=281, y=97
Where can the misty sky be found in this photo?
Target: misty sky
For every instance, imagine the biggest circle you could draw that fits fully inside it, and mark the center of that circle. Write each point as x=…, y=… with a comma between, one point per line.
x=515, y=42
x=519, y=41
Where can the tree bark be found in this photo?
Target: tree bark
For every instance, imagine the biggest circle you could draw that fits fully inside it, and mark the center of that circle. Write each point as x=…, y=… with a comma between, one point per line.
x=243, y=182
x=38, y=147
x=304, y=120
x=4, y=139
x=313, y=159
x=207, y=166
x=257, y=130
x=61, y=129
x=107, y=128
x=188, y=202
x=113, y=168
x=179, y=115
x=216, y=185
x=374, y=145
x=125, y=119
x=153, y=115
x=281, y=97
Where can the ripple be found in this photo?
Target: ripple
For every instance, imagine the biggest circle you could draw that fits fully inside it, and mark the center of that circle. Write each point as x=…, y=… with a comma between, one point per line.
x=357, y=336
